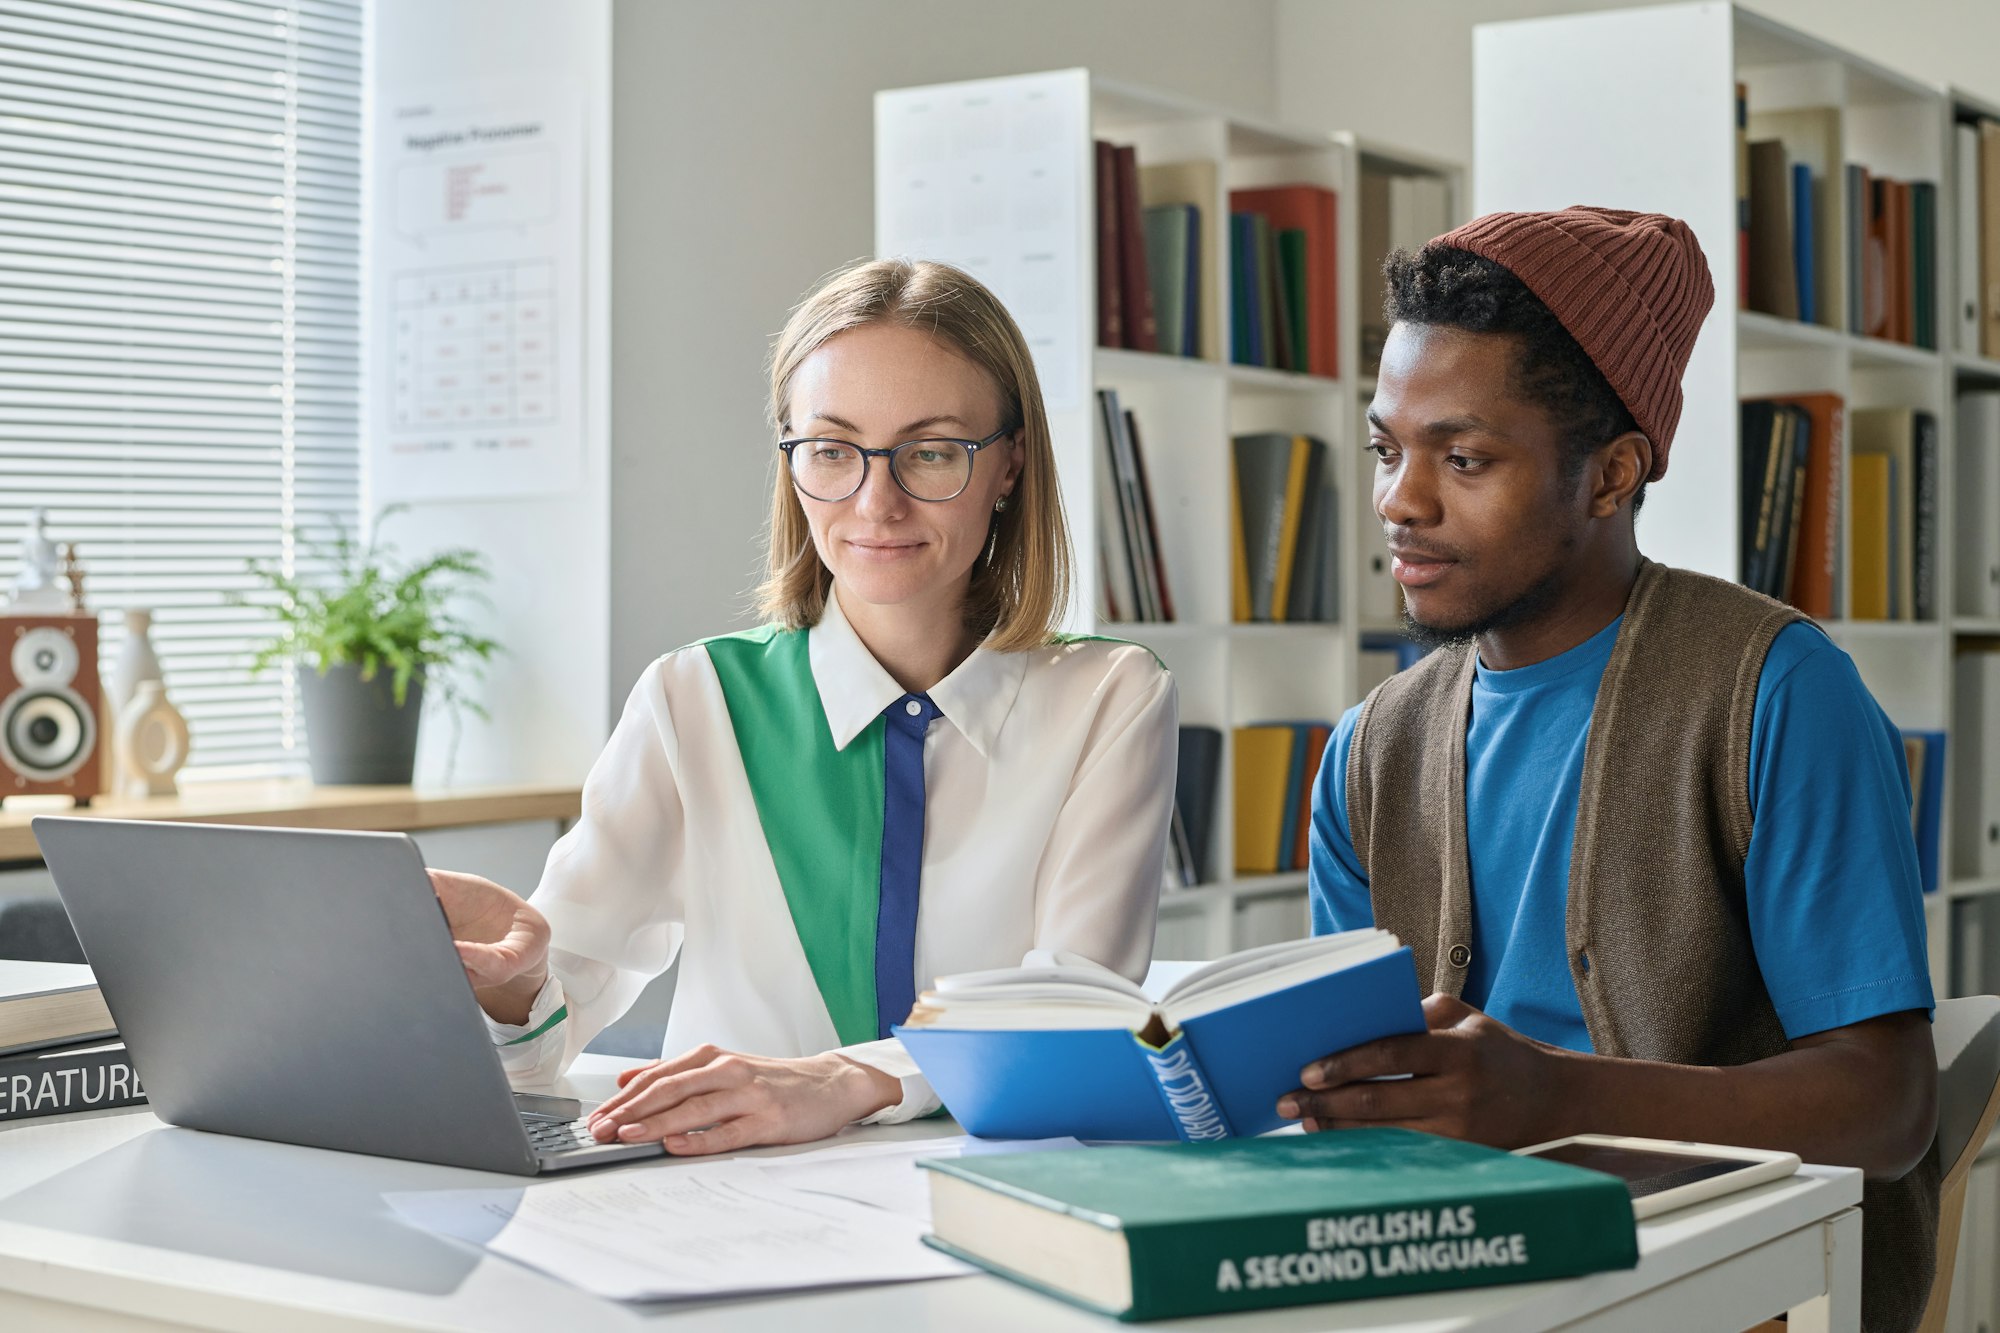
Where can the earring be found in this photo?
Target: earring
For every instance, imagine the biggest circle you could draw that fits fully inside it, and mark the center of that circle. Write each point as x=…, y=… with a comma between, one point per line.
x=1000, y=505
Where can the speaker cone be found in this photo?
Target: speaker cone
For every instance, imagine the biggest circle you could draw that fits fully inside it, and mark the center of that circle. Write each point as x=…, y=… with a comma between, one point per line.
x=46, y=734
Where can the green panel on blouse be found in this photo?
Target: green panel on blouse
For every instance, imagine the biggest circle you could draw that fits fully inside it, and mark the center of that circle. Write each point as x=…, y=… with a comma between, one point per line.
x=820, y=808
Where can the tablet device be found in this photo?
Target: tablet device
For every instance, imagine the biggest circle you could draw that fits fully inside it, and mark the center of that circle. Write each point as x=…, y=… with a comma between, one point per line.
x=1664, y=1174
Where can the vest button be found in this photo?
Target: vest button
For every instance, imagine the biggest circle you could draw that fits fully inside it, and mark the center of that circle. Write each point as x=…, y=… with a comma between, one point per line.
x=1459, y=955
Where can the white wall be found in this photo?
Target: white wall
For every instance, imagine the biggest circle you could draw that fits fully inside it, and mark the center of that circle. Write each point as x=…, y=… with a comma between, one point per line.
x=550, y=695
x=1402, y=72
x=743, y=160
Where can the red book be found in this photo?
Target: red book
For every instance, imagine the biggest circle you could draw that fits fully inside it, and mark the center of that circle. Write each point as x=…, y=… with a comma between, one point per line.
x=1310, y=209
x=1110, y=305
x=1134, y=283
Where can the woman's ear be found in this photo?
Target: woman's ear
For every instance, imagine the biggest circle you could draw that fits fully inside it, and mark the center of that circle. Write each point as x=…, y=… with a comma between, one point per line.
x=1017, y=456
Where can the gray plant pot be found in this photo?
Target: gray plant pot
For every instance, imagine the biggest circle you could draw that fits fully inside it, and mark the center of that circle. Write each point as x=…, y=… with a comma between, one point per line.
x=355, y=734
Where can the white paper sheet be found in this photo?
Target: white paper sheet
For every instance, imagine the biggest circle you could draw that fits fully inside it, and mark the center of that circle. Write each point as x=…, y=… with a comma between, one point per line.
x=684, y=1231
x=886, y=1175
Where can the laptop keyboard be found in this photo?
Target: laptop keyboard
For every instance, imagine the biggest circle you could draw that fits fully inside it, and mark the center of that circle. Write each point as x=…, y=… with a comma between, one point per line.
x=553, y=1136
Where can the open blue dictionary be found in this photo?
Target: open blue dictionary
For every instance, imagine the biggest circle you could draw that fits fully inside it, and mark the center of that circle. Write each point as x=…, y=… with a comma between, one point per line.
x=1066, y=1047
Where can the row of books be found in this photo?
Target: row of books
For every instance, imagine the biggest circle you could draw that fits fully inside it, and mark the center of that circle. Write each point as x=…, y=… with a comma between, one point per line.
x=1893, y=546
x=1790, y=517
x=1284, y=543
x=1978, y=168
x=1153, y=262
x=1276, y=763
x=1792, y=494
x=1154, y=270
x=1818, y=236
x=1132, y=565
x=1284, y=308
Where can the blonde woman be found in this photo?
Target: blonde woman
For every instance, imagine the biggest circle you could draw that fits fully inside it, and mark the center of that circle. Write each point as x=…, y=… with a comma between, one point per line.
x=904, y=773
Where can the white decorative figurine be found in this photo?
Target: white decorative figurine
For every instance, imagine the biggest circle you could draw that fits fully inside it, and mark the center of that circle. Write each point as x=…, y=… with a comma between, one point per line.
x=38, y=584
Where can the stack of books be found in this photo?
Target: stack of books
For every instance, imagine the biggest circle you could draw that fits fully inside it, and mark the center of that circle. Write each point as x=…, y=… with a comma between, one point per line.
x=1152, y=266
x=1284, y=307
x=1792, y=455
x=1276, y=763
x=58, y=1047
x=1132, y=564
x=1284, y=547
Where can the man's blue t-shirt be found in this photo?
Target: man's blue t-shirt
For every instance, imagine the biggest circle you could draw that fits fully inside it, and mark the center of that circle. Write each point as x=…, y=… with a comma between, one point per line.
x=1835, y=903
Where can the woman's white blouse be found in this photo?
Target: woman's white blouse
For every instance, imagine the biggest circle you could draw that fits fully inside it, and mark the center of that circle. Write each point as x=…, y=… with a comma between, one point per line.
x=1048, y=790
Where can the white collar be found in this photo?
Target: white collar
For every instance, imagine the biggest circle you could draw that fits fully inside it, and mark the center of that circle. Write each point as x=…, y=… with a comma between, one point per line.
x=854, y=689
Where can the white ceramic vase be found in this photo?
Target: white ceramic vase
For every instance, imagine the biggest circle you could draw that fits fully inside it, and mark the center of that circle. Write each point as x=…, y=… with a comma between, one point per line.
x=136, y=664
x=152, y=743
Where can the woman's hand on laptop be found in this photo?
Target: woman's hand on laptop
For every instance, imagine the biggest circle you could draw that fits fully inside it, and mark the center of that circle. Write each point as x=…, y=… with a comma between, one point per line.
x=502, y=941
x=711, y=1100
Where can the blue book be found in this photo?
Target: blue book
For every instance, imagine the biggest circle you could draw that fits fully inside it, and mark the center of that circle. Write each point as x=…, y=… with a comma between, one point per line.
x=1242, y=287
x=1052, y=1051
x=1191, y=306
x=1802, y=240
x=1925, y=752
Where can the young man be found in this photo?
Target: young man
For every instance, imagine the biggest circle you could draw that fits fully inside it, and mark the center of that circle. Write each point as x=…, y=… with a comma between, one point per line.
x=1646, y=831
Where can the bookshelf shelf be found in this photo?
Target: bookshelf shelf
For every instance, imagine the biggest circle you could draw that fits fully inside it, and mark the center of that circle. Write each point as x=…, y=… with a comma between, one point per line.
x=1975, y=627
x=1259, y=379
x=1758, y=331
x=1880, y=352
x=1972, y=888
x=1027, y=143
x=1970, y=366
x=1117, y=365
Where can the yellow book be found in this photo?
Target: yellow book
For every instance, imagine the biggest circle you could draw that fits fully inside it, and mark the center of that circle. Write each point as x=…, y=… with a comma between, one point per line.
x=1239, y=564
x=1263, y=771
x=1288, y=530
x=1868, y=537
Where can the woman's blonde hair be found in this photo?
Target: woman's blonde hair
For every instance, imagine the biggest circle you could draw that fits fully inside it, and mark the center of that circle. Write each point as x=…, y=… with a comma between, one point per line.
x=1018, y=595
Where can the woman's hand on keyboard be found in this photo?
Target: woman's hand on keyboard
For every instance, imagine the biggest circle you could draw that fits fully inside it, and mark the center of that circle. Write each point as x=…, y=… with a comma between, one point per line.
x=711, y=1100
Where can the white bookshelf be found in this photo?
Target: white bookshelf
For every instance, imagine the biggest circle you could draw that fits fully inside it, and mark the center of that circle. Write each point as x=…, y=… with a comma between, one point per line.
x=1559, y=120
x=996, y=176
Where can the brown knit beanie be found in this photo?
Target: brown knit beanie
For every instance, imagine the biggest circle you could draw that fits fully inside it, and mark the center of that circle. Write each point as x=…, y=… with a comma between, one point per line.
x=1631, y=288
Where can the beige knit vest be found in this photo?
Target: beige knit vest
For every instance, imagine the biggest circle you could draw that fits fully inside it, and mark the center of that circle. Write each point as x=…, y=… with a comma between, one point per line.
x=1657, y=928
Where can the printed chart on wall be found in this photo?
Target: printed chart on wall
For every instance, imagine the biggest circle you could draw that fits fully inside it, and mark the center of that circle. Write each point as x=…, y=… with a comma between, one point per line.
x=477, y=289
x=987, y=176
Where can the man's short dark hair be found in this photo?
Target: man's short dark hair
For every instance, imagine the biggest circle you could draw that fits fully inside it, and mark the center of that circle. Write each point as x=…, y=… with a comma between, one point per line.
x=1445, y=286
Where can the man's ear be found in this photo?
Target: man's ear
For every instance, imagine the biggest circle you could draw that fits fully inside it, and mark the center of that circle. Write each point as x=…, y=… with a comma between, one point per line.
x=1622, y=467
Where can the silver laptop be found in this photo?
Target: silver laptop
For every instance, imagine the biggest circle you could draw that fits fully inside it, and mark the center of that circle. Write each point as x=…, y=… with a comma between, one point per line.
x=300, y=986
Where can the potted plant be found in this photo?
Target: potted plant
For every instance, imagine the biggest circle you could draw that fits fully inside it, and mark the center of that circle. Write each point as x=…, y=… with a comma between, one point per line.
x=368, y=647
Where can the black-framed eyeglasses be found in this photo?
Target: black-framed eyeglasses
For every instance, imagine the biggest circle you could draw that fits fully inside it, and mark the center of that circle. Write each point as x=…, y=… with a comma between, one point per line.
x=932, y=470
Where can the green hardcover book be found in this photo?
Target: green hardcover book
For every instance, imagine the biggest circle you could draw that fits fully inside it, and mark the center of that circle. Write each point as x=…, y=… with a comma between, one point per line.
x=1167, y=228
x=1157, y=1232
x=1272, y=332
x=1292, y=273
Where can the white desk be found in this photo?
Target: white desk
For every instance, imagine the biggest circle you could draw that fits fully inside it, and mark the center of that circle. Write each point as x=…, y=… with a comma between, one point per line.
x=110, y=1220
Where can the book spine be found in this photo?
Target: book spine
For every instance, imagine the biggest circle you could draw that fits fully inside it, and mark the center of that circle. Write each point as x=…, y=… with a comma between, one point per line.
x=1141, y=334
x=55, y=1084
x=1925, y=464
x=1196, y=1113
x=1110, y=301
x=1434, y=1245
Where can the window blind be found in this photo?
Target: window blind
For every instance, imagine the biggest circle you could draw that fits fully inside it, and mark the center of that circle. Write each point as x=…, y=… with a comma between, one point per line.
x=180, y=213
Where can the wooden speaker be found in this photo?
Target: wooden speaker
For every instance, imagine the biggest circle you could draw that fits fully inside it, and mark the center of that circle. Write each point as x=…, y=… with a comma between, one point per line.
x=51, y=739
